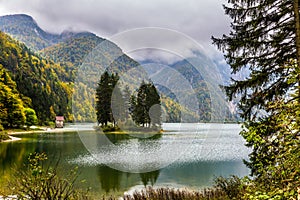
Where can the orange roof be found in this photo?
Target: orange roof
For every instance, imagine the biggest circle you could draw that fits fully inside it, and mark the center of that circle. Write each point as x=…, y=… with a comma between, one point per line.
x=59, y=118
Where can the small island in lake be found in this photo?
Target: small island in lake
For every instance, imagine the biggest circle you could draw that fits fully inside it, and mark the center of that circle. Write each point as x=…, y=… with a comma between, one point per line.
x=122, y=112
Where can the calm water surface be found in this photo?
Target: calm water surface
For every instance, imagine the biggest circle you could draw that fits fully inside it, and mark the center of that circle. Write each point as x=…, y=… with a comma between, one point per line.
x=186, y=155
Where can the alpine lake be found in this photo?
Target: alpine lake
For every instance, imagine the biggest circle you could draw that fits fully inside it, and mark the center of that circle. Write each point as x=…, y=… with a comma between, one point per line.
x=183, y=156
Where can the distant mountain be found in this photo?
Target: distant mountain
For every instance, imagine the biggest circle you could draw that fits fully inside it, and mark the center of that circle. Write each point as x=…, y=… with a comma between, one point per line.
x=25, y=29
x=75, y=53
x=205, y=78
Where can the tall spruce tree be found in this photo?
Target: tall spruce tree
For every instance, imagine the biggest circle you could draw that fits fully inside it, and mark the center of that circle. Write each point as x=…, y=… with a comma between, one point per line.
x=104, y=92
x=142, y=109
x=147, y=110
x=153, y=99
x=127, y=101
x=265, y=38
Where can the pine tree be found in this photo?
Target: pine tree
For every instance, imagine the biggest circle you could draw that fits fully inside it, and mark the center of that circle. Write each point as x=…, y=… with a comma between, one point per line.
x=147, y=110
x=141, y=109
x=104, y=92
x=127, y=102
x=132, y=109
x=153, y=99
x=265, y=38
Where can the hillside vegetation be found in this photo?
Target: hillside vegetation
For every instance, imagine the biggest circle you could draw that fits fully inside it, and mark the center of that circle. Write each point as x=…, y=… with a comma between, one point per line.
x=37, y=80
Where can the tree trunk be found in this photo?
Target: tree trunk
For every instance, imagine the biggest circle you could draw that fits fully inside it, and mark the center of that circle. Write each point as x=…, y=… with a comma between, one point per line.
x=297, y=33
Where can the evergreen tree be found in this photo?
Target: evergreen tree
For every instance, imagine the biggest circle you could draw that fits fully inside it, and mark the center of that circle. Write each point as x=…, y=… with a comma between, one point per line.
x=132, y=109
x=147, y=109
x=153, y=99
x=104, y=92
x=142, y=109
x=118, y=105
x=127, y=102
x=265, y=38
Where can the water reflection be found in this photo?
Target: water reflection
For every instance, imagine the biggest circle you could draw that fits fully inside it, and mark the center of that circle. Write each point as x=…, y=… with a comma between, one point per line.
x=113, y=180
x=110, y=179
x=149, y=177
x=12, y=157
x=116, y=138
x=221, y=154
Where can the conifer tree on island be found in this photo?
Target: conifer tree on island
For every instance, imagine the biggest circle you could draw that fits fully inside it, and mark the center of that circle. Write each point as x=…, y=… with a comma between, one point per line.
x=103, y=98
x=114, y=106
x=147, y=109
x=265, y=38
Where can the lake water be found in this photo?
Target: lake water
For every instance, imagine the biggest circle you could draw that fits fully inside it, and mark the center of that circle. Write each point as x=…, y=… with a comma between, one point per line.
x=186, y=155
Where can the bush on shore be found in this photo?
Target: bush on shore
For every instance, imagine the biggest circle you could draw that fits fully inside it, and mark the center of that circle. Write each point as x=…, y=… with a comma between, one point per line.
x=3, y=134
x=224, y=189
x=41, y=182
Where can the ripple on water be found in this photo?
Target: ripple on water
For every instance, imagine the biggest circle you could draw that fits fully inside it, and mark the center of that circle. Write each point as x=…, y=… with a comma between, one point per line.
x=172, y=148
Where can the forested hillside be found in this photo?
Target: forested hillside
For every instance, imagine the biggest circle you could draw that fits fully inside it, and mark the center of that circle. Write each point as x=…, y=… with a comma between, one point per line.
x=36, y=78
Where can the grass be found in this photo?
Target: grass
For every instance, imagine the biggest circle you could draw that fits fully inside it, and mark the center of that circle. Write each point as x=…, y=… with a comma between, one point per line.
x=223, y=189
x=177, y=194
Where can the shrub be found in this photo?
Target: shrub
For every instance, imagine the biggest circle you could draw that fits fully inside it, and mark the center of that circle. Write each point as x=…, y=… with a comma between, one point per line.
x=3, y=134
x=232, y=186
x=40, y=182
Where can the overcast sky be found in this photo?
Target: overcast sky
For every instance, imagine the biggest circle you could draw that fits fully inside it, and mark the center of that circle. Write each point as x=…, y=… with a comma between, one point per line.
x=198, y=19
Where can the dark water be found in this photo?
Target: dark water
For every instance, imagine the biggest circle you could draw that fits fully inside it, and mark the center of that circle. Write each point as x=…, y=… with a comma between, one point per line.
x=188, y=155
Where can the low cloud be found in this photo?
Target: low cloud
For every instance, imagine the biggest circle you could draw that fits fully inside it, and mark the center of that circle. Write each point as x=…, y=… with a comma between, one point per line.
x=198, y=19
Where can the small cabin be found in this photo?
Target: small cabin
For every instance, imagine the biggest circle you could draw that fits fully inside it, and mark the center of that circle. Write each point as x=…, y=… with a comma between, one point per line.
x=59, y=121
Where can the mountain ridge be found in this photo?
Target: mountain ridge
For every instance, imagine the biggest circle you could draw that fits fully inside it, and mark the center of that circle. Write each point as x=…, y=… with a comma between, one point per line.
x=25, y=29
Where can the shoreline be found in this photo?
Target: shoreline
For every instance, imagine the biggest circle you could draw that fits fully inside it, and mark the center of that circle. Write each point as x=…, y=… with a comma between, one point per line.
x=12, y=134
x=45, y=130
x=12, y=139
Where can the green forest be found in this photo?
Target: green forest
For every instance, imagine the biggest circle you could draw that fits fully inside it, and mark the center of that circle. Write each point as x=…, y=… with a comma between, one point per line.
x=31, y=82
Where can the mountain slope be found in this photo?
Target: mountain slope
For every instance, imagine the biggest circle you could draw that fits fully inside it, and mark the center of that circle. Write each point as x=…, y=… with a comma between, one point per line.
x=36, y=78
x=75, y=52
x=25, y=29
x=69, y=50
